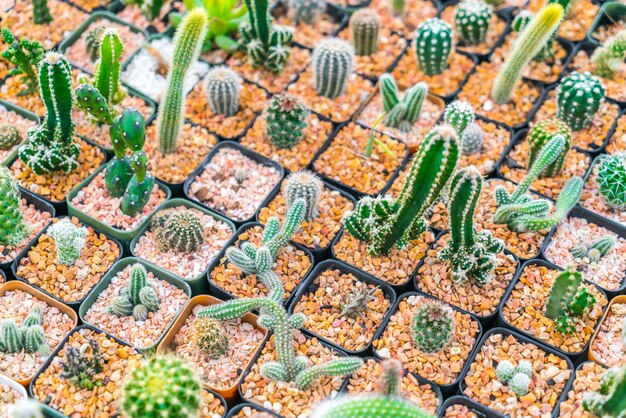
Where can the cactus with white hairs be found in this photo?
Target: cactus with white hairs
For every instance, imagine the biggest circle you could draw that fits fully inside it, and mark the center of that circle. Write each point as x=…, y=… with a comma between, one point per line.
x=433, y=44
x=471, y=21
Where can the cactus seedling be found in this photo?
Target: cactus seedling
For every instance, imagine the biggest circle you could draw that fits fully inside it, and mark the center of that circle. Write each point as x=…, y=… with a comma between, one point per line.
x=13, y=227
x=357, y=302
x=609, y=57
x=25, y=55
x=286, y=121
x=364, y=28
x=610, y=399
x=517, y=378
x=69, y=240
x=471, y=21
x=223, y=87
x=611, y=179
x=595, y=251
x=539, y=135
x=401, y=113
x=81, y=368
x=433, y=43
x=459, y=115
x=333, y=63
x=579, y=98
x=138, y=298
x=304, y=185
x=568, y=299
x=182, y=231
x=432, y=326
x=306, y=11
x=210, y=337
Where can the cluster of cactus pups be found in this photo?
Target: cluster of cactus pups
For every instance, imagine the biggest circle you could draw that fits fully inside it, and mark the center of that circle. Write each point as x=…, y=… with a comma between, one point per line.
x=609, y=57
x=138, y=298
x=29, y=337
x=179, y=230
x=401, y=113
x=593, y=251
x=518, y=378
x=13, y=227
x=569, y=299
x=81, y=366
x=610, y=398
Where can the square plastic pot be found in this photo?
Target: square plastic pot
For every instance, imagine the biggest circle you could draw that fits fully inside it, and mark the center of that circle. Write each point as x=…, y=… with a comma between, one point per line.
x=479, y=409
x=609, y=13
x=23, y=113
x=569, y=387
x=590, y=355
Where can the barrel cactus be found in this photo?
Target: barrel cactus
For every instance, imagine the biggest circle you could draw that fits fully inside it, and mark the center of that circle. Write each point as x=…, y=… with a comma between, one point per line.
x=223, y=87
x=459, y=115
x=286, y=121
x=9, y=136
x=333, y=63
x=579, y=97
x=471, y=21
x=304, y=185
x=433, y=43
x=364, y=28
x=611, y=179
x=210, y=337
x=183, y=232
x=472, y=139
x=432, y=326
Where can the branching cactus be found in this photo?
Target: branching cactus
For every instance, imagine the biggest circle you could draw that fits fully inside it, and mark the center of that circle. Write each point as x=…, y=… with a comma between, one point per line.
x=162, y=386
x=210, y=337
x=305, y=185
x=306, y=11
x=182, y=231
x=383, y=223
x=608, y=59
x=41, y=12
x=25, y=55
x=471, y=254
x=472, y=139
x=534, y=37
x=13, y=226
x=69, y=240
x=9, y=136
x=187, y=43
x=286, y=120
x=333, y=64
x=433, y=43
x=459, y=115
x=610, y=398
x=611, y=181
x=578, y=99
x=432, y=326
x=107, y=68
x=138, y=298
x=401, y=113
x=517, y=378
x=364, y=28
x=539, y=135
x=595, y=251
x=223, y=87
x=267, y=45
x=51, y=146
x=471, y=21
x=568, y=300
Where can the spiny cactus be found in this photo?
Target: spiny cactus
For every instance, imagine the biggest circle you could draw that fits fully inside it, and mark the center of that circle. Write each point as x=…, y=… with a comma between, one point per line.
x=107, y=69
x=333, y=63
x=223, y=87
x=30, y=337
x=539, y=135
x=25, y=55
x=568, y=299
x=519, y=384
x=69, y=240
x=81, y=366
x=459, y=115
x=187, y=43
x=521, y=20
x=472, y=139
x=138, y=280
x=608, y=58
x=306, y=11
x=433, y=43
x=517, y=378
x=471, y=21
x=11, y=340
x=611, y=179
x=13, y=227
x=578, y=99
x=286, y=120
x=594, y=251
x=51, y=146
x=381, y=222
x=357, y=302
x=9, y=136
x=41, y=12
x=471, y=254
x=210, y=337
x=305, y=185
x=138, y=298
x=610, y=399
x=182, y=232
x=364, y=28
x=93, y=41
x=505, y=371
x=432, y=326
x=536, y=34
x=401, y=113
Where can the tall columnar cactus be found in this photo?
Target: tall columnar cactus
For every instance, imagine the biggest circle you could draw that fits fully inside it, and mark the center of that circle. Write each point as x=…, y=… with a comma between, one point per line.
x=539, y=135
x=138, y=298
x=432, y=326
x=401, y=113
x=471, y=21
x=578, y=99
x=333, y=63
x=521, y=20
x=162, y=386
x=364, y=28
x=608, y=59
x=459, y=115
x=25, y=55
x=472, y=139
x=568, y=299
x=611, y=179
x=187, y=43
x=182, y=232
x=51, y=146
x=517, y=378
x=536, y=34
x=223, y=87
x=286, y=120
x=305, y=185
x=306, y=11
x=69, y=240
x=610, y=398
x=267, y=46
x=41, y=12
x=471, y=254
x=107, y=68
x=13, y=227
x=433, y=43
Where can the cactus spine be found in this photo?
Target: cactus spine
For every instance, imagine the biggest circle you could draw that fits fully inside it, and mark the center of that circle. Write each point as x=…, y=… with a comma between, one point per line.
x=210, y=337
x=459, y=115
x=364, y=27
x=138, y=298
x=401, y=113
x=69, y=240
x=41, y=12
x=609, y=57
x=187, y=43
x=333, y=63
x=536, y=34
x=433, y=43
x=182, y=232
x=223, y=87
x=306, y=11
x=539, y=135
x=432, y=326
x=471, y=21
x=579, y=98
x=568, y=300
x=13, y=227
x=518, y=378
x=472, y=139
x=611, y=179
x=304, y=185
x=610, y=399
x=285, y=121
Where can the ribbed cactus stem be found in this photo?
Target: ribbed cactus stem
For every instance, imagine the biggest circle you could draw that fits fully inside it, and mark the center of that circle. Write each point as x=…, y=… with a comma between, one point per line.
x=390, y=377
x=471, y=21
x=107, y=74
x=41, y=12
x=13, y=226
x=69, y=240
x=539, y=135
x=611, y=180
x=433, y=43
x=304, y=185
x=536, y=34
x=401, y=113
x=138, y=280
x=459, y=115
x=333, y=63
x=364, y=28
x=579, y=97
x=223, y=87
x=286, y=120
x=608, y=58
x=187, y=43
x=568, y=299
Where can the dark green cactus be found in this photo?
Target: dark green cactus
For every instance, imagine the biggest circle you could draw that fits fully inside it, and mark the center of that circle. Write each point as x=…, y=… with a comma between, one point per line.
x=568, y=299
x=579, y=97
x=611, y=179
x=610, y=399
x=364, y=28
x=286, y=120
x=471, y=21
x=41, y=12
x=401, y=113
x=25, y=55
x=107, y=68
x=432, y=326
x=30, y=337
x=459, y=115
x=13, y=226
x=182, y=232
x=433, y=44
x=539, y=135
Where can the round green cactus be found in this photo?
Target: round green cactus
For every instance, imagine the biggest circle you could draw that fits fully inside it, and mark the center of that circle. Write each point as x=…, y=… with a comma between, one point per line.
x=304, y=185
x=364, y=28
x=223, y=87
x=182, y=232
x=611, y=179
x=459, y=115
x=539, y=135
x=472, y=139
x=121, y=306
x=149, y=298
x=433, y=44
x=10, y=337
x=471, y=21
x=432, y=326
x=140, y=312
x=579, y=97
x=333, y=63
x=286, y=121
x=210, y=336
x=9, y=136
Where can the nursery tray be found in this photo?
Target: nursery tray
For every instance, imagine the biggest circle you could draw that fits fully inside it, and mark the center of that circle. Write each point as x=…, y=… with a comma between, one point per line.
x=609, y=13
x=26, y=115
x=590, y=355
x=479, y=409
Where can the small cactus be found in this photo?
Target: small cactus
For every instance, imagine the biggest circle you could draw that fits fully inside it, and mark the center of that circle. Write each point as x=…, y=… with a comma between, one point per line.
x=517, y=378
x=432, y=326
x=539, y=135
x=81, y=365
x=35, y=339
x=609, y=401
x=579, y=97
x=149, y=298
x=472, y=139
x=121, y=306
x=357, y=303
x=471, y=21
x=568, y=299
x=459, y=115
x=519, y=384
x=223, y=87
x=140, y=312
x=69, y=240
x=25, y=55
x=433, y=43
x=364, y=28
x=13, y=226
x=505, y=371
x=611, y=179
x=521, y=20
x=11, y=340
x=182, y=232
x=93, y=41
x=333, y=64
x=286, y=121
x=608, y=58
x=304, y=185
x=594, y=251
x=9, y=136
x=138, y=280
x=210, y=336
x=401, y=113
x=41, y=12
x=138, y=298
x=306, y=11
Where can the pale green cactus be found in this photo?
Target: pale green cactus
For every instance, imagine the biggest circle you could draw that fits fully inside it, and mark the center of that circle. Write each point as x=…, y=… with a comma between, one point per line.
x=69, y=240
x=608, y=58
x=403, y=112
x=333, y=64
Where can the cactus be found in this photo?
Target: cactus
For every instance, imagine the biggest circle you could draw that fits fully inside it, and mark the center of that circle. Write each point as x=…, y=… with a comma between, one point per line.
x=187, y=43
x=286, y=120
x=521, y=20
x=472, y=139
x=608, y=59
x=459, y=115
x=69, y=240
x=525, y=367
x=81, y=367
x=182, y=232
x=401, y=113
x=41, y=12
x=596, y=250
x=107, y=69
x=611, y=179
x=578, y=99
x=149, y=298
x=223, y=87
x=11, y=340
x=536, y=34
x=140, y=312
x=138, y=280
x=364, y=28
x=138, y=298
x=471, y=21
x=50, y=146
x=333, y=64
x=35, y=340
x=518, y=378
x=610, y=399
x=568, y=300
x=519, y=384
x=25, y=55
x=539, y=135
x=93, y=41
x=9, y=137
x=471, y=254
x=121, y=306
x=383, y=223
x=306, y=11
x=432, y=326
x=210, y=337
x=505, y=371
x=13, y=227
x=357, y=303
x=35, y=316
x=433, y=43
x=304, y=185
x=27, y=408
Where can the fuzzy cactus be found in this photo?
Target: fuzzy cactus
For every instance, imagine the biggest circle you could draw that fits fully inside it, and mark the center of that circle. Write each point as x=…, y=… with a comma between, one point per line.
x=539, y=135
x=304, y=185
x=578, y=99
x=525, y=367
x=162, y=386
x=401, y=113
x=610, y=398
x=223, y=87
x=568, y=299
x=517, y=378
x=534, y=37
x=51, y=145
x=608, y=59
x=41, y=12
x=519, y=384
x=611, y=179
x=471, y=21
x=505, y=371
x=306, y=11
x=9, y=137
x=364, y=28
x=93, y=41
x=433, y=43
x=471, y=254
x=182, y=232
x=286, y=121
x=472, y=139
x=210, y=337
x=13, y=226
x=521, y=20
x=69, y=240
x=432, y=326
x=459, y=115
x=333, y=64
x=25, y=55
x=187, y=43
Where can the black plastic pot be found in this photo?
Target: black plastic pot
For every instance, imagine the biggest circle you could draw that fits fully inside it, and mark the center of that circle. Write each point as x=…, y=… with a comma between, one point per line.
x=610, y=12
x=233, y=412
x=570, y=386
x=479, y=409
x=24, y=114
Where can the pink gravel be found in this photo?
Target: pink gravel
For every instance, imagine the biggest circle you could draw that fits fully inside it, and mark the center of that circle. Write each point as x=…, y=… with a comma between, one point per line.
x=608, y=346
x=20, y=123
x=37, y=221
